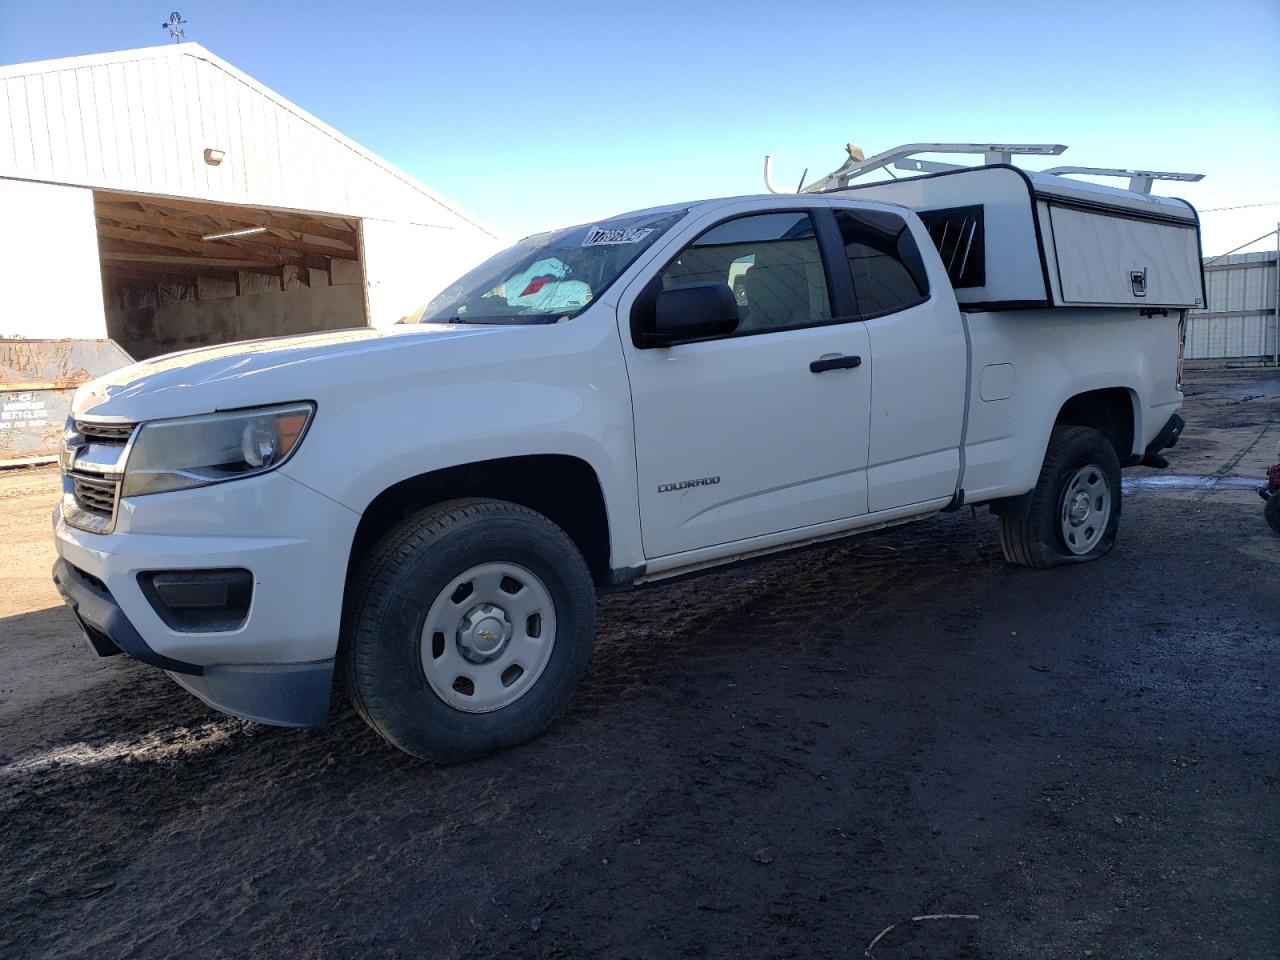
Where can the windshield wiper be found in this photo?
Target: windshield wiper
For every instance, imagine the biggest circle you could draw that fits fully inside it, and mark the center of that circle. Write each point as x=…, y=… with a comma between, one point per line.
x=461, y=319
x=497, y=320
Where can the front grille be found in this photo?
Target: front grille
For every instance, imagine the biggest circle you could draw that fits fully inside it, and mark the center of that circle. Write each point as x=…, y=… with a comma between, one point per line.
x=93, y=459
x=96, y=495
x=108, y=433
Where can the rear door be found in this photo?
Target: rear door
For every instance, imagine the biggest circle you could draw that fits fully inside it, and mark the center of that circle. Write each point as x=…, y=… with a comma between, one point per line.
x=915, y=333
x=751, y=433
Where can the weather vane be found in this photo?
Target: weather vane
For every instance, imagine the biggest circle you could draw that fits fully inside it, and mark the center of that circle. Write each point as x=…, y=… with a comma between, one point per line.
x=174, y=25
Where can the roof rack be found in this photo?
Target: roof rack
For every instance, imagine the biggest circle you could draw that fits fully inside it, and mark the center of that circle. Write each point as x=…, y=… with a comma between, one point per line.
x=1140, y=181
x=904, y=158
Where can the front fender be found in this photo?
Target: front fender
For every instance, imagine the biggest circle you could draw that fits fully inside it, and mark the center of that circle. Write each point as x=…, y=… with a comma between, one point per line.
x=537, y=391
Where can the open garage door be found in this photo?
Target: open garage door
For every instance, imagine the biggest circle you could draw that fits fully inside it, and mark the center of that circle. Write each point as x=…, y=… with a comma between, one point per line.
x=178, y=274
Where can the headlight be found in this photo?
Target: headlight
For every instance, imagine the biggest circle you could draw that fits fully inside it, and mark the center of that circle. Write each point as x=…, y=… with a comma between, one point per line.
x=196, y=451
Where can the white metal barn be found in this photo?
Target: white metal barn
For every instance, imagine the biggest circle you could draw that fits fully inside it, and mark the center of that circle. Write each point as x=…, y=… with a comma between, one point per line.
x=164, y=199
x=1242, y=316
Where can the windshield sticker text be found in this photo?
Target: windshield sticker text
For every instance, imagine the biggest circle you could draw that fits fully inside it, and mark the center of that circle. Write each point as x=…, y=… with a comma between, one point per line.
x=598, y=236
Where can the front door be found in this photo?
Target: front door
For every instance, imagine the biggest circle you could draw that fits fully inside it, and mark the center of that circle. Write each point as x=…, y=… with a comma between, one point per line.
x=765, y=429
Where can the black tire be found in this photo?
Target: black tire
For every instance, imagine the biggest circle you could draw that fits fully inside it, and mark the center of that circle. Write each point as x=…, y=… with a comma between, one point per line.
x=1272, y=511
x=381, y=648
x=1037, y=540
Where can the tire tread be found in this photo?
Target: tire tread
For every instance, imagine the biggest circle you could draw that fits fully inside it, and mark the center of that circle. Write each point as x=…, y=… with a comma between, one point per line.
x=375, y=582
x=1021, y=538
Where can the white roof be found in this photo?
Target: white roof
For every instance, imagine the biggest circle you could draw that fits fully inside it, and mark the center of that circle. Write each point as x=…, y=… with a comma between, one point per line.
x=142, y=120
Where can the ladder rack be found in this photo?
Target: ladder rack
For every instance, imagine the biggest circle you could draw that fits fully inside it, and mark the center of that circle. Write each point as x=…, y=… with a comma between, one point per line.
x=905, y=158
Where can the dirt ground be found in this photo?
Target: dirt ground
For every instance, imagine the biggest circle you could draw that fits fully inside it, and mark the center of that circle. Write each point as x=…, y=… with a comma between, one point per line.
x=776, y=761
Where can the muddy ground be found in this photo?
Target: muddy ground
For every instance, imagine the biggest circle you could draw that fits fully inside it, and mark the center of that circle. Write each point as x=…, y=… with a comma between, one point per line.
x=777, y=761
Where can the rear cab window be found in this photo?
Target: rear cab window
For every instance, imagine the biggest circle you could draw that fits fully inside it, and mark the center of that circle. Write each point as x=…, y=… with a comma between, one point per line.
x=887, y=269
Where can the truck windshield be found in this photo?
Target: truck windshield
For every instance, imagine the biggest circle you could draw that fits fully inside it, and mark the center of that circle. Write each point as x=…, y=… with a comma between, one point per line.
x=549, y=276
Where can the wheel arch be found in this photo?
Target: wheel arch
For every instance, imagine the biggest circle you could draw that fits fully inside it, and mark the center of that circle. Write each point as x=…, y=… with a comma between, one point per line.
x=1114, y=411
x=561, y=487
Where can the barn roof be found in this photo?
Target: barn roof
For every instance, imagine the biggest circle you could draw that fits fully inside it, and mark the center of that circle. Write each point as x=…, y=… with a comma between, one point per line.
x=179, y=121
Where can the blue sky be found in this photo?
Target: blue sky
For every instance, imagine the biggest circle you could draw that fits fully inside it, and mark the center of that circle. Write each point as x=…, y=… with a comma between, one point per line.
x=536, y=115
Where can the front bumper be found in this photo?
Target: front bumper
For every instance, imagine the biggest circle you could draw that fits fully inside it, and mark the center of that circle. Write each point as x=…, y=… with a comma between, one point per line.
x=277, y=666
x=286, y=694
x=105, y=626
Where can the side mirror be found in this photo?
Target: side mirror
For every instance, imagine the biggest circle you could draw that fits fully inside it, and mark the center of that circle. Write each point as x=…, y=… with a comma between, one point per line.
x=694, y=311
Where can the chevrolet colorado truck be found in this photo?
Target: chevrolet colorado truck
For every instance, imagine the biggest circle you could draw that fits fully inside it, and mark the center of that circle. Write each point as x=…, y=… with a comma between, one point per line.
x=427, y=513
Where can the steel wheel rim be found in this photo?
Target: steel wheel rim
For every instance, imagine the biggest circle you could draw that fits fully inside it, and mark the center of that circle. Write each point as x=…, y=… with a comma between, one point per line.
x=1085, y=511
x=488, y=636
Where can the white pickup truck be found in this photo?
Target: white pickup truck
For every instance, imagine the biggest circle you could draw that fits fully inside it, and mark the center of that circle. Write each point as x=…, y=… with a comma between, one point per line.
x=429, y=511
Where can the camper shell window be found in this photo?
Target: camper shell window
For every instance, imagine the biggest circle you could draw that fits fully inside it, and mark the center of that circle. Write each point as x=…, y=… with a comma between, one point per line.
x=959, y=235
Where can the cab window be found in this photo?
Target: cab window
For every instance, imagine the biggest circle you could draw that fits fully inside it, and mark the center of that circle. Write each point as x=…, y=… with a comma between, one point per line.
x=771, y=263
x=888, y=272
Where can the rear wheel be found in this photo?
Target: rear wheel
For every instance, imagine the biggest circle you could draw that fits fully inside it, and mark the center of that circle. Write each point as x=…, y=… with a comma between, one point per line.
x=469, y=627
x=1075, y=508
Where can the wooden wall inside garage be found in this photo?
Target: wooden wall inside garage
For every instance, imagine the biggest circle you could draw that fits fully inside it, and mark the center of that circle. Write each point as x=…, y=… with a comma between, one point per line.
x=163, y=318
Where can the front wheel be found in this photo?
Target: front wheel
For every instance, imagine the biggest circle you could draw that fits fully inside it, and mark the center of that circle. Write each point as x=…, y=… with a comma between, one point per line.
x=468, y=629
x=1075, y=507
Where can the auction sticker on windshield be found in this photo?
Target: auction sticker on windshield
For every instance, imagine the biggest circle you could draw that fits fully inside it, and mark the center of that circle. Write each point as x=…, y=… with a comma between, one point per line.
x=598, y=236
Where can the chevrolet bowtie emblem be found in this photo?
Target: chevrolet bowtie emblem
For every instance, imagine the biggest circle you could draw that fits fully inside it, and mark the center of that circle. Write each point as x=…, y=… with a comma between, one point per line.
x=69, y=453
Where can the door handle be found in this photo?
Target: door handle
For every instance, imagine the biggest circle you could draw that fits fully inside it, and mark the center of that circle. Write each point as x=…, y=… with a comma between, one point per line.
x=834, y=363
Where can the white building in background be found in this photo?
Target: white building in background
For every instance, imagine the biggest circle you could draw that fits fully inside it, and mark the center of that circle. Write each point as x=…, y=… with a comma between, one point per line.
x=1241, y=319
x=164, y=199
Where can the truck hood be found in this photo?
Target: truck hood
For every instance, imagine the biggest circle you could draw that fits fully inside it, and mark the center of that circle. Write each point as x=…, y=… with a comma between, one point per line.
x=259, y=372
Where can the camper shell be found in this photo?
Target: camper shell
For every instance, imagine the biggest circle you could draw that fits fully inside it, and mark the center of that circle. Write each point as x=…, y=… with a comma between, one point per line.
x=1014, y=239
